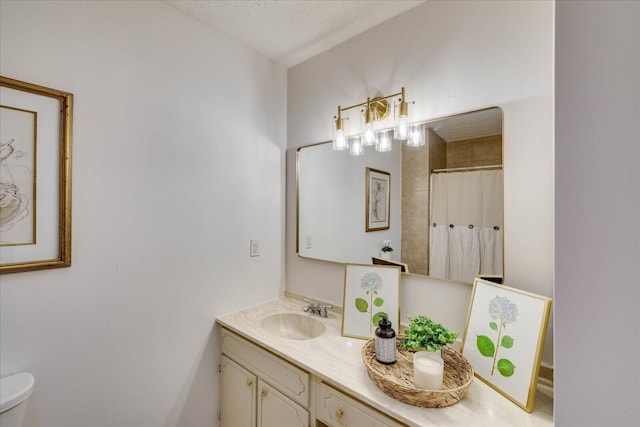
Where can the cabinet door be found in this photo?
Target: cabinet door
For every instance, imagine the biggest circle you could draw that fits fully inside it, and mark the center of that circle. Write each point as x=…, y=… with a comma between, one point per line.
x=238, y=391
x=277, y=410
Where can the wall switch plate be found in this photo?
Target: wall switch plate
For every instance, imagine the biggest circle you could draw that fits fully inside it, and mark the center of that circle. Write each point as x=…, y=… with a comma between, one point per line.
x=255, y=248
x=308, y=244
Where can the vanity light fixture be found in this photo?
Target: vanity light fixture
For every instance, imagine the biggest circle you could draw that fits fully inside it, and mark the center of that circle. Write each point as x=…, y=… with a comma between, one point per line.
x=375, y=110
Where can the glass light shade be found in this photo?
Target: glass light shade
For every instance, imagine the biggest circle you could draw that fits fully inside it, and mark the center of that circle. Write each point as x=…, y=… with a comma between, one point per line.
x=401, y=131
x=368, y=135
x=384, y=142
x=416, y=136
x=340, y=141
x=355, y=147
x=367, y=124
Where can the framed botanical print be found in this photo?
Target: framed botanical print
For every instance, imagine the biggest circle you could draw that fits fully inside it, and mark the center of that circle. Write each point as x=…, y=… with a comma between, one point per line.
x=504, y=339
x=370, y=293
x=35, y=176
x=377, y=204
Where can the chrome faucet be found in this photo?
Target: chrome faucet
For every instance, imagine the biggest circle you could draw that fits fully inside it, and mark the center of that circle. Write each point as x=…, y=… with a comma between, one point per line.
x=316, y=309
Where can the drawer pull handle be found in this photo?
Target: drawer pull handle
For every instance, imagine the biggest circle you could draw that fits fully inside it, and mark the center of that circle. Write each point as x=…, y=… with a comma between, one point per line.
x=263, y=392
x=249, y=383
x=339, y=414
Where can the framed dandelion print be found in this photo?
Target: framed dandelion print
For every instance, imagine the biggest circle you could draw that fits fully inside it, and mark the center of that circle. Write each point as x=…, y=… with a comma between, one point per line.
x=370, y=293
x=504, y=339
x=35, y=177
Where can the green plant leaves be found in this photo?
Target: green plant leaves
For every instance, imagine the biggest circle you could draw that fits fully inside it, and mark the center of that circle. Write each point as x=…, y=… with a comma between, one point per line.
x=494, y=326
x=505, y=367
x=507, y=341
x=362, y=305
x=378, y=316
x=485, y=346
x=425, y=333
x=378, y=302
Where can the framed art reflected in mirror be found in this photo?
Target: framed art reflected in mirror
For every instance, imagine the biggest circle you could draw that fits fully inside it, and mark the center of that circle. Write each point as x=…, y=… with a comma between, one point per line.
x=377, y=199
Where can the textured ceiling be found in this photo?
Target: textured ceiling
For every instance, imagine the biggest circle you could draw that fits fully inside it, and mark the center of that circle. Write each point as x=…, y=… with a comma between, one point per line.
x=291, y=31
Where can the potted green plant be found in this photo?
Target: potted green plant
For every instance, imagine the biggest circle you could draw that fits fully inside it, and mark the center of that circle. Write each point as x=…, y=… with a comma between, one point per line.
x=424, y=333
x=386, y=250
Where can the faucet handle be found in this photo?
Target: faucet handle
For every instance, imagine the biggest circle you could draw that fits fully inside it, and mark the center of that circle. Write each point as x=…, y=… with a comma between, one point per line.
x=309, y=306
x=323, y=310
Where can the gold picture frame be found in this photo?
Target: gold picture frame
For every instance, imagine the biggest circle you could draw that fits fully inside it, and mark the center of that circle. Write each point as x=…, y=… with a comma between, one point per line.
x=370, y=292
x=378, y=200
x=504, y=339
x=35, y=176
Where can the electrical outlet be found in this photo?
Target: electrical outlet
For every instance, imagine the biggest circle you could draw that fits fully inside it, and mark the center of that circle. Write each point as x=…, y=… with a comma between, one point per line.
x=255, y=248
x=308, y=244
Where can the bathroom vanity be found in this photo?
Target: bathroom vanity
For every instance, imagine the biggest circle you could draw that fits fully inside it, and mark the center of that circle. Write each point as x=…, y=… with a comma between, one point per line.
x=308, y=374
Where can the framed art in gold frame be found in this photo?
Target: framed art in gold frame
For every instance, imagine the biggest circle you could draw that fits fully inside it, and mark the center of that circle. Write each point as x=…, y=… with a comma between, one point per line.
x=378, y=198
x=35, y=176
x=370, y=292
x=504, y=338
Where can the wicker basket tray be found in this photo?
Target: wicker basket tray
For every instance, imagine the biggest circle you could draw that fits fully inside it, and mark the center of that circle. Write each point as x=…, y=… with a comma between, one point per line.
x=397, y=380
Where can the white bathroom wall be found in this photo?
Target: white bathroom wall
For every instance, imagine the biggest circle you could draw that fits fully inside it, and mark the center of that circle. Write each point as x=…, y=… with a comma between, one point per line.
x=178, y=161
x=452, y=57
x=597, y=287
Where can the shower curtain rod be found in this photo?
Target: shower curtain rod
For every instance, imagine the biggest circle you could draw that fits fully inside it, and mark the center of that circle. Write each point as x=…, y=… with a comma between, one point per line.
x=470, y=168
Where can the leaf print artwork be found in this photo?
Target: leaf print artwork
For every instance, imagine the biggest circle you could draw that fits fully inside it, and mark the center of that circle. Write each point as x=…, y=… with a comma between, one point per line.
x=503, y=312
x=371, y=283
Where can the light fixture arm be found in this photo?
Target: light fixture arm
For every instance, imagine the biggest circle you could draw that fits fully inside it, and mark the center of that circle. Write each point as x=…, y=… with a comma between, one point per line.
x=370, y=101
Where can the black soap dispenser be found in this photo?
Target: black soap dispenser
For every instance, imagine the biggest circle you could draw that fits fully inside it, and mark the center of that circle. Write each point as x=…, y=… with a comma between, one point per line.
x=385, y=342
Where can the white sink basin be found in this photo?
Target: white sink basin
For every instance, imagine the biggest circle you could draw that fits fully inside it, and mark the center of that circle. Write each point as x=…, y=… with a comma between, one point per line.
x=293, y=326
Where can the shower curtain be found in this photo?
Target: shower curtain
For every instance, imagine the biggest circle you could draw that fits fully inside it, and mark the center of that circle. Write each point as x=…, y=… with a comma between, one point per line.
x=466, y=230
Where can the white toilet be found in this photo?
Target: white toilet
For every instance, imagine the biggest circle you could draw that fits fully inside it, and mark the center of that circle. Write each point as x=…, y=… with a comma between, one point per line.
x=14, y=394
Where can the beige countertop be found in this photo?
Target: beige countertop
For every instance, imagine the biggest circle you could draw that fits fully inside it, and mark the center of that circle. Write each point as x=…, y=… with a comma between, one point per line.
x=337, y=360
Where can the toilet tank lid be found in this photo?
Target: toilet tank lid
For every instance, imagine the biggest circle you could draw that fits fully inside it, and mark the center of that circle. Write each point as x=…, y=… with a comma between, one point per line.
x=14, y=389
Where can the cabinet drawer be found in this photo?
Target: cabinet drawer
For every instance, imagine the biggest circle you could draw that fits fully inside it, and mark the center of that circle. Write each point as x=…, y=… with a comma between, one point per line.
x=336, y=409
x=286, y=377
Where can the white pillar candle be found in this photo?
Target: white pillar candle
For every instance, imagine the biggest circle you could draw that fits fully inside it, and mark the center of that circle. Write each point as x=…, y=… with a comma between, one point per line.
x=428, y=370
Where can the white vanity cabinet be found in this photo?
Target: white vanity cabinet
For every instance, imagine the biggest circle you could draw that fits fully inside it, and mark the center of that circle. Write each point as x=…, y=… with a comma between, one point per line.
x=322, y=381
x=259, y=389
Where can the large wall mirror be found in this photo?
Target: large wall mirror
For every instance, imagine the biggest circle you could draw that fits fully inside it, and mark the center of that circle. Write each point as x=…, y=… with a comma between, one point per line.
x=442, y=202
